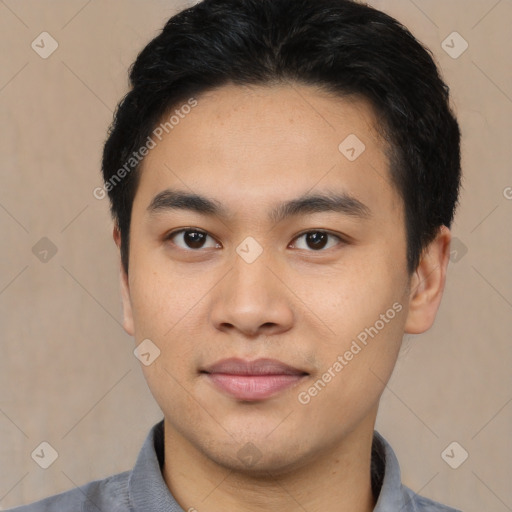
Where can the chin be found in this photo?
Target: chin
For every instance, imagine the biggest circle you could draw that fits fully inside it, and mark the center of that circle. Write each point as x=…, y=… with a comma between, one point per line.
x=257, y=457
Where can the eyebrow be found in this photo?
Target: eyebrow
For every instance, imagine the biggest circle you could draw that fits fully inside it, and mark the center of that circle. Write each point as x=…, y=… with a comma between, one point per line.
x=171, y=199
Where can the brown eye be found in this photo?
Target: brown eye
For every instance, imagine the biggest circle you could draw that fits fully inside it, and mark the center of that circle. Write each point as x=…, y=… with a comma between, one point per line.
x=317, y=240
x=191, y=239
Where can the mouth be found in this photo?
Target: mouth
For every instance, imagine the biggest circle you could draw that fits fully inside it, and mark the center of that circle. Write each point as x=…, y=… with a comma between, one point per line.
x=252, y=380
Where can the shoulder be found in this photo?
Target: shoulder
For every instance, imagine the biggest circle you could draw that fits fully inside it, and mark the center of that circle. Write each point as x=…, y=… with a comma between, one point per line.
x=393, y=494
x=417, y=503
x=108, y=494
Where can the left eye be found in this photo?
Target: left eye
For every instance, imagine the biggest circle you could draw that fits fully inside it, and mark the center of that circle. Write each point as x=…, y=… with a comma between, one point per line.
x=317, y=240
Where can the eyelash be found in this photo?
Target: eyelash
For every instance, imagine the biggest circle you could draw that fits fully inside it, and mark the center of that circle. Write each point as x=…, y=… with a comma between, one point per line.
x=172, y=234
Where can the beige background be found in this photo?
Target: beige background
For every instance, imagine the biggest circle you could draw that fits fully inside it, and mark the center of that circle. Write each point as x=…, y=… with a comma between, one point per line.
x=67, y=372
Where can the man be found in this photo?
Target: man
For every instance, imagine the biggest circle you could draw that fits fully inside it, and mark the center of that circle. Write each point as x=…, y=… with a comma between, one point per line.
x=283, y=175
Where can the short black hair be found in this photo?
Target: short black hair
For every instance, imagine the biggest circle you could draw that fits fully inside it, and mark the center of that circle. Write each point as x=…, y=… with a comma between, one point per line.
x=343, y=47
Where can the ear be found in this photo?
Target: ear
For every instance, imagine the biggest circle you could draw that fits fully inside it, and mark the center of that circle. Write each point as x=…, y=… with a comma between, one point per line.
x=427, y=283
x=125, y=288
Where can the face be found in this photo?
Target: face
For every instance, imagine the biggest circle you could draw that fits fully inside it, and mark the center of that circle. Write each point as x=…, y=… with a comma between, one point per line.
x=278, y=316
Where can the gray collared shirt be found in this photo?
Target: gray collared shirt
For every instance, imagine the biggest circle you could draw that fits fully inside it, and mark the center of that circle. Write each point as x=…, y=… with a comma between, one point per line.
x=143, y=489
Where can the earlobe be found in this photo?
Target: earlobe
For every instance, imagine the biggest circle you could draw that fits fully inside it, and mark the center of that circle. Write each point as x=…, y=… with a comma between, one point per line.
x=125, y=288
x=116, y=235
x=427, y=284
x=127, y=303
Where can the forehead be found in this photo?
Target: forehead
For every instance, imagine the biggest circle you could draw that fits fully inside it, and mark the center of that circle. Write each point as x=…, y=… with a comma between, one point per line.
x=244, y=143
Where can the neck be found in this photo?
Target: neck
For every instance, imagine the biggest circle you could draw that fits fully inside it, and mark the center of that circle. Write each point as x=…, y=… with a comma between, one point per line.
x=338, y=480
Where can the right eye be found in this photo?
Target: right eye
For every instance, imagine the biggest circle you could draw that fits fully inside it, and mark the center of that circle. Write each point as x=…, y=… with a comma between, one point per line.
x=191, y=239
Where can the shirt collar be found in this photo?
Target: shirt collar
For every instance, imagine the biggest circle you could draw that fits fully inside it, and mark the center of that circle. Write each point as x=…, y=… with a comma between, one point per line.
x=391, y=496
x=149, y=492
x=147, y=487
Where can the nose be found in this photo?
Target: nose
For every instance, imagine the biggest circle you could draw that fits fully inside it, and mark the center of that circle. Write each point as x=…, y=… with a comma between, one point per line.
x=252, y=300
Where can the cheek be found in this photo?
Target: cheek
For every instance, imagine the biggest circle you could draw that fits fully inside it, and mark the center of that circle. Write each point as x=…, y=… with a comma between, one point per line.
x=366, y=312
x=356, y=367
x=163, y=305
x=160, y=299
x=354, y=297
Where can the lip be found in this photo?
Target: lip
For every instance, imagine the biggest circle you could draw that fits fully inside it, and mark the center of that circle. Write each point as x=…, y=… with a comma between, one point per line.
x=252, y=380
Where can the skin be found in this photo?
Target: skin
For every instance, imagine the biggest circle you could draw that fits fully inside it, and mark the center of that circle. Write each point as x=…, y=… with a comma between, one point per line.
x=250, y=148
